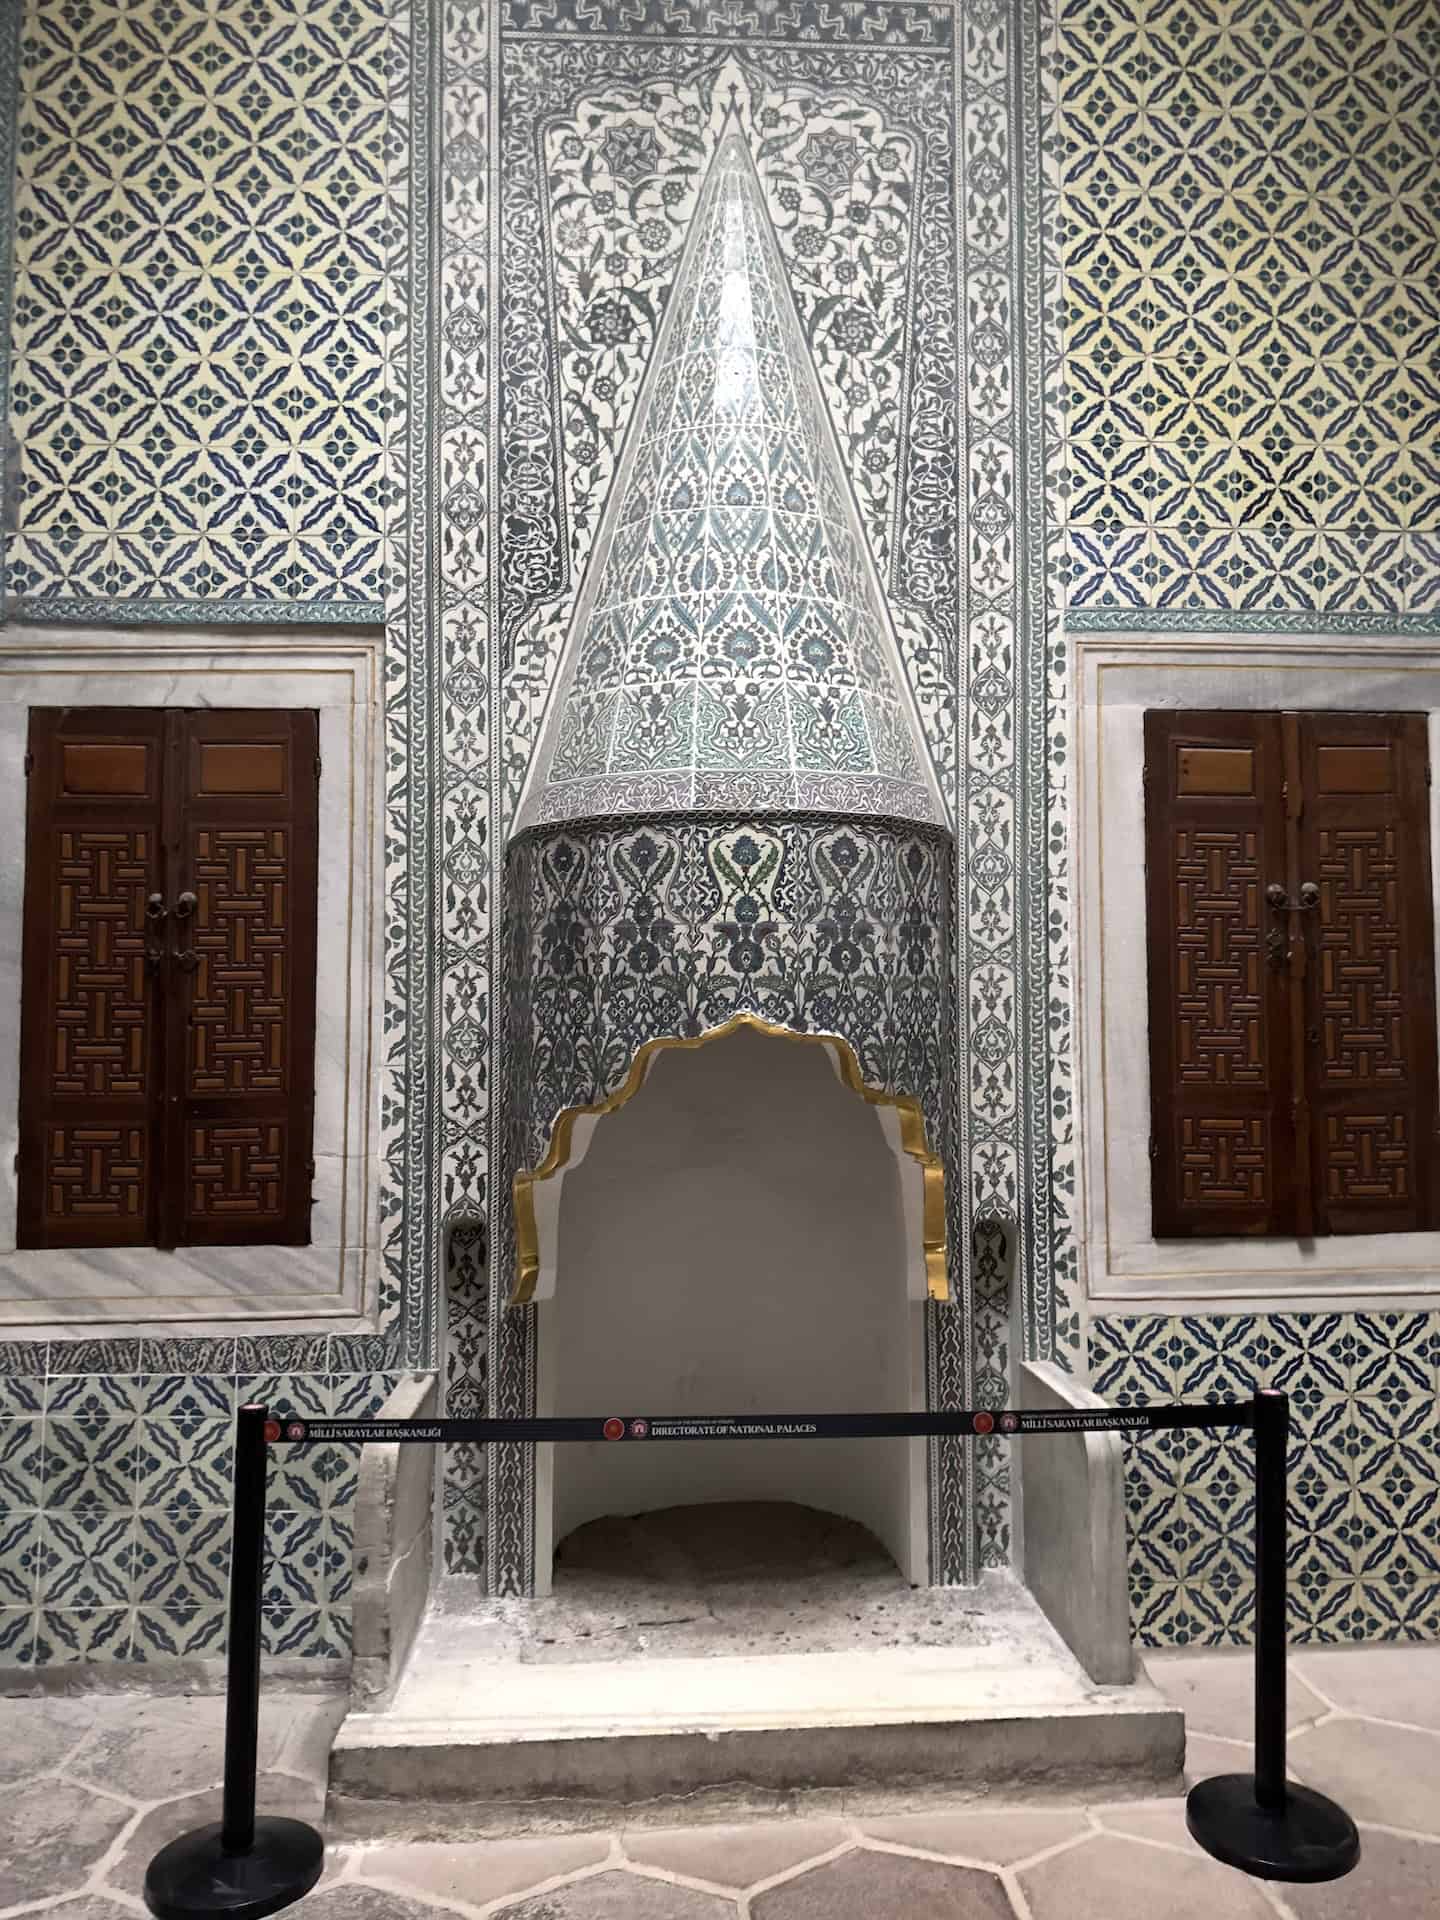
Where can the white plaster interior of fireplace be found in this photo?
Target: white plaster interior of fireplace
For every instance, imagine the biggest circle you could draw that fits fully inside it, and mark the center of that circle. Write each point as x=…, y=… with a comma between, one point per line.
x=739, y=1239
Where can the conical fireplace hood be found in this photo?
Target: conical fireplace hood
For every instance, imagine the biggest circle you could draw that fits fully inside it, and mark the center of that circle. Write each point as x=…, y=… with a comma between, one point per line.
x=730, y=650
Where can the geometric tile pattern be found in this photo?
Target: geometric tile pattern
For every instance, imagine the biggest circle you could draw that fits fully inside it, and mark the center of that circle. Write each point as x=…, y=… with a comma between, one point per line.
x=1251, y=225
x=203, y=231
x=1364, y=1472
x=115, y=1492
x=730, y=649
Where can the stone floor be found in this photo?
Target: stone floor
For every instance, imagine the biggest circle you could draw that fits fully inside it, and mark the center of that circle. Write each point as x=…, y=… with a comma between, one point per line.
x=90, y=1786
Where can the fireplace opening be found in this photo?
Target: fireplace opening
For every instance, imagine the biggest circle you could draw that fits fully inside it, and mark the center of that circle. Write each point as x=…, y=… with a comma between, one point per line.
x=735, y=1242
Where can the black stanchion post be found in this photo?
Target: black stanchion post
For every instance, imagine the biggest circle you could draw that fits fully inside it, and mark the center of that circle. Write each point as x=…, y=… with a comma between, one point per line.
x=1263, y=1823
x=239, y=1866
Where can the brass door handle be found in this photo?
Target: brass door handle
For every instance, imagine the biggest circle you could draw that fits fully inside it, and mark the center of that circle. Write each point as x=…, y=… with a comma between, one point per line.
x=186, y=958
x=1280, y=900
x=156, y=913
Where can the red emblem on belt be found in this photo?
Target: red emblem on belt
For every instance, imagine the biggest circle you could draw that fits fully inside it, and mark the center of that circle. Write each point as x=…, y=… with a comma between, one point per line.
x=295, y=1430
x=984, y=1423
x=640, y=1429
x=614, y=1429
x=272, y=1432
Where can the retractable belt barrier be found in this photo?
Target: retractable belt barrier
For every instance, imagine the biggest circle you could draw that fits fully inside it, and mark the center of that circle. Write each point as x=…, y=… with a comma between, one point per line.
x=245, y=1867
x=758, y=1426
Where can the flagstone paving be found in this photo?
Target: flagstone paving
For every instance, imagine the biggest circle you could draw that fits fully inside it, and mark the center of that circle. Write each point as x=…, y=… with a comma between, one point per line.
x=91, y=1785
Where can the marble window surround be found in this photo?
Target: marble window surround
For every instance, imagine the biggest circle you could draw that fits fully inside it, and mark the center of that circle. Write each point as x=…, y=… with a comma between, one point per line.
x=332, y=1283
x=1117, y=677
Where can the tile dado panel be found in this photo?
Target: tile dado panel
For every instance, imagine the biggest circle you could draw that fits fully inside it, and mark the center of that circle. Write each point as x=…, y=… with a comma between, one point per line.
x=204, y=225
x=1364, y=1533
x=115, y=1489
x=1251, y=234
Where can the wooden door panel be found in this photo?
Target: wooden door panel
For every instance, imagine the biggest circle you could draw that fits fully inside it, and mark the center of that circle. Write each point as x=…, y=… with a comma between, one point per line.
x=89, y=1090
x=1370, y=1003
x=168, y=1060
x=243, y=1017
x=1222, y=1135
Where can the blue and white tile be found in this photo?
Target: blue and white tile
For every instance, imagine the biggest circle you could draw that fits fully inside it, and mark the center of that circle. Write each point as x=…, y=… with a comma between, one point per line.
x=170, y=1459
x=17, y=1636
x=82, y=1635
x=90, y=1465
x=284, y=1353
x=311, y=1632
x=360, y=1396
x=20, y=1395
x=22, y=1464
x=87, y=1559
x=186, y=1401
x=120, y=1355
x=188, y=1354
x=312, y=1479
x=1397, y=1354
x=182, y=1559
x=1131, y=1359
x=281, y=1393
x=95, y=1397
x=20, y=1535
x=178, y=1632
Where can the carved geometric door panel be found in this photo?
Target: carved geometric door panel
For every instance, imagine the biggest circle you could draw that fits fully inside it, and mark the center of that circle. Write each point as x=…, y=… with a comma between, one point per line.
x=1370, y=982
x=169, y=978
x=1222, y=1138
x=1292, y=973
x=89, y=1029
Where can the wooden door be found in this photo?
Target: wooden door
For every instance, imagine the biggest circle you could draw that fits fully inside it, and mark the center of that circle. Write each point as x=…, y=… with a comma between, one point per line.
x=1291, y=948
x=189, y=881
x=1222, y=1131
x=1370, y=981
x=90, y=1084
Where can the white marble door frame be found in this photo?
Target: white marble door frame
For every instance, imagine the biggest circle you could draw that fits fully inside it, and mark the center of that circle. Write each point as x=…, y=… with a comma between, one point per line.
x=1118, y=677
x=332, y=1282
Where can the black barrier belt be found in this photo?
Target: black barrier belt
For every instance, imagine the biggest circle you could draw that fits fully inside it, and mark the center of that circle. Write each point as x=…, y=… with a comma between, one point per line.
x=1006, y=1423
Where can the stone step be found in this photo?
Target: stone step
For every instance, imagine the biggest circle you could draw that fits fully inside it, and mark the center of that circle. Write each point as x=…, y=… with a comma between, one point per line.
x=479, y=1744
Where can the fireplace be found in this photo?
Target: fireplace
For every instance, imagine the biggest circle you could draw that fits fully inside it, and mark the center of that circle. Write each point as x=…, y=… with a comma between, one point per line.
x=728, y=909
x=735, y=1242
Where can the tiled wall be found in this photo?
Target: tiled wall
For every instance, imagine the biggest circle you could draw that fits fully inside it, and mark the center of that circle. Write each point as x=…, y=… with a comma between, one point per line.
x=115, y=1496
x=1251, y=217
x=1250, y=237
x=1364, y=1472
x=202, y=226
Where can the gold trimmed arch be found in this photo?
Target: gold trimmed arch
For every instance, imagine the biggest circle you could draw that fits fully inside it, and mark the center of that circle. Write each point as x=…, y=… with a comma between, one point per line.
x=905, y=1106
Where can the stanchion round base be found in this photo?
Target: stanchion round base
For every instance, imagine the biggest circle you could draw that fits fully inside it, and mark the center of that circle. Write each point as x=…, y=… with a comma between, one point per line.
x=1308, y=1838
x=194, y=1875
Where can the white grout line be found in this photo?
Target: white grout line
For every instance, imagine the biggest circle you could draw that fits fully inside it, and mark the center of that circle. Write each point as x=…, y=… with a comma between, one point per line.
x=449, y=1903
x=1400, y=1833
x=1270, y=1892
x=109, y=1793
x=1373, y=1720
x=669, y=1877
x=1015, y=1893
x=607, y=1865
x=850, y=1844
